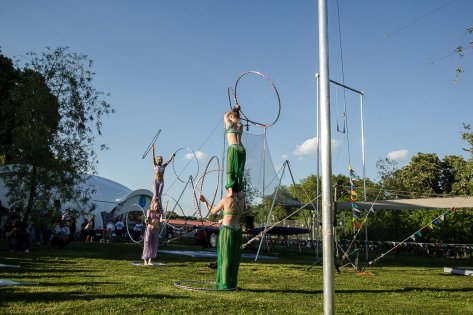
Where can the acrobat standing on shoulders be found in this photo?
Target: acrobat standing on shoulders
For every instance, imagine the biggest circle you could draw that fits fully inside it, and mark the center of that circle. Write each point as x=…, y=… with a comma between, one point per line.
x=236, y=154
x=158, y=183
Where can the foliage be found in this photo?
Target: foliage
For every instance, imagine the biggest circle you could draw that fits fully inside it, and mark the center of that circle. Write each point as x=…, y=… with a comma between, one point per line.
x=460, y=51
x=64, y=114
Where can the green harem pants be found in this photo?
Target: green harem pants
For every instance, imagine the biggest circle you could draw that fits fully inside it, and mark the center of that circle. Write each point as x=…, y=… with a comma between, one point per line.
x=236, y=157
x=228, y=257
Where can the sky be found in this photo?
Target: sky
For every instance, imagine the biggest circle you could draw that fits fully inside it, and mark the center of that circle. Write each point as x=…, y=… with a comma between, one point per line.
x=168, y=65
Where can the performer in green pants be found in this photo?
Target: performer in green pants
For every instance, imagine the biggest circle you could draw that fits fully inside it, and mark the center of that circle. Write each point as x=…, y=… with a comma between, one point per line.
x=236, y=154
x=229, y=240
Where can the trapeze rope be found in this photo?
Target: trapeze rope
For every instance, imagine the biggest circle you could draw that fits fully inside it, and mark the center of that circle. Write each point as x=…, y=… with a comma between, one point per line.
x=345, y=124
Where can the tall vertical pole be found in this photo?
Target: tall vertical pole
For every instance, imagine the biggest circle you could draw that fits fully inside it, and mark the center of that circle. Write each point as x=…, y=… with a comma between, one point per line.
x=264, y=175
x=364, y=172
x=326, y=163
x=317, y=213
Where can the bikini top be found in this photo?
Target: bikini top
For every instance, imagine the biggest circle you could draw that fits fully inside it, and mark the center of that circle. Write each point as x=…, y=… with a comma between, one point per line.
x=231, y=127
x=159, y=169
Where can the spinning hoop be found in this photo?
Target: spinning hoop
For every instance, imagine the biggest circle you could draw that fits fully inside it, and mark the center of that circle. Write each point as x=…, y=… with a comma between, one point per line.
x=181, y=171
x=168, y=208
x=259, y=124
x=135, y=211
x=231, y=93
x=199, y=285
x=151, y=144
x=197, y=193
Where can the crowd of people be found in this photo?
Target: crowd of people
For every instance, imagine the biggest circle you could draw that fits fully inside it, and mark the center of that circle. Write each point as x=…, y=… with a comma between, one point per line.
x=57, y=231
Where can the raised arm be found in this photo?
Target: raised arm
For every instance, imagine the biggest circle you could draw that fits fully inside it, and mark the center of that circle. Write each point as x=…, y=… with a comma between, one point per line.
x=226, y=117
x=214, y=210
x=154, y=157
x=171, y=158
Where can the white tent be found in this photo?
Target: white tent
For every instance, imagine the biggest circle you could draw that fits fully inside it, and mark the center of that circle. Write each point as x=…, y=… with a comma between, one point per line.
x=110, y=198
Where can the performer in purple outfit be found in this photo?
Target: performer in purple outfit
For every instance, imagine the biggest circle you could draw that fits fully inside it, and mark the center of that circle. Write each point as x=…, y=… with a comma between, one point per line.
x=151, y=240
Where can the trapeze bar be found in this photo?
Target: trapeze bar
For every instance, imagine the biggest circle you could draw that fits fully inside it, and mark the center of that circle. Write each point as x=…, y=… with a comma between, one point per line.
x=342, y=85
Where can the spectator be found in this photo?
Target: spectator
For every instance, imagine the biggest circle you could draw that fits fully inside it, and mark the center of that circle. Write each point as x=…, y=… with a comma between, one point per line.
x=109, y=229
x=17, y=235
x=90, y=229
x=61, y=235
x=119, y=228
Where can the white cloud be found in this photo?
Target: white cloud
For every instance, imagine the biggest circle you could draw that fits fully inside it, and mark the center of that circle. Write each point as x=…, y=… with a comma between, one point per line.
x=309, y=147
x=198, y=154
x=284, y=157
x=398, y=155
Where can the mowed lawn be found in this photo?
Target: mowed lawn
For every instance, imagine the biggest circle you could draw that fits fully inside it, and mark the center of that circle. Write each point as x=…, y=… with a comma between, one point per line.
x=98, y=278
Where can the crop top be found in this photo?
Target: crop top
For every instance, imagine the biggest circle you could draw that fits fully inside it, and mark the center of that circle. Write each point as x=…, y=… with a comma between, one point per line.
x=233, y=128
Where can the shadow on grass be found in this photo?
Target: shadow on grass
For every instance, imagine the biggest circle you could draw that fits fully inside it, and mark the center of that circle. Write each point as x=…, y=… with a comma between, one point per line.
x=7, y=296
x=68, y=284
x=403, y=290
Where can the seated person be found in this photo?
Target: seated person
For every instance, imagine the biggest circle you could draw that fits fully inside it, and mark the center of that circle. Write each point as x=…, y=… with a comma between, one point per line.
x=61, y=235
x=17, y=235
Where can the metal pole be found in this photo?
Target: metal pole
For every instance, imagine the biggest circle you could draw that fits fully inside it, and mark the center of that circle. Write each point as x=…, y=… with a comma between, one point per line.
x=264, y=173
x=364, y=171
x=317, y=214
x=271, y=209
x=326, y=163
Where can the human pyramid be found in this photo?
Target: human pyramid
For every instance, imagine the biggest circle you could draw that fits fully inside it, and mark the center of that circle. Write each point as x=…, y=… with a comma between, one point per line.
x=231, y=206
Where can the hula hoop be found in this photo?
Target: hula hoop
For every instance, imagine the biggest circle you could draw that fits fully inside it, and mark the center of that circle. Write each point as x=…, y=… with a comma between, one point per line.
x=174, y=167
x=166, y=210
x=231, y=93
x=134, y=208
x=151, y=144
x=198, y=213
x=184, y=285
x=259, y=124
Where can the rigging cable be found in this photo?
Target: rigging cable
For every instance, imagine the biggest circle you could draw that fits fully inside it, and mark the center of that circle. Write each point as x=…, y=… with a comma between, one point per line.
x=345, y=116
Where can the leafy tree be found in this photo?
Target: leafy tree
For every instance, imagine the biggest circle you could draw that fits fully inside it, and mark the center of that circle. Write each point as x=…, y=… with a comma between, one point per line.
x=456, y=177
x=8, y=78
x=32, y=117
x=70, y=155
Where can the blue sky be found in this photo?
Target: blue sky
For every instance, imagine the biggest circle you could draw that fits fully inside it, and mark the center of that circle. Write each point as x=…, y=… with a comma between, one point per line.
x=168, y=64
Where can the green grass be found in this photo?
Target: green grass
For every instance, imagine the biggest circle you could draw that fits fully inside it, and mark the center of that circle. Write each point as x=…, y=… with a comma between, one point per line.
x=98, y=278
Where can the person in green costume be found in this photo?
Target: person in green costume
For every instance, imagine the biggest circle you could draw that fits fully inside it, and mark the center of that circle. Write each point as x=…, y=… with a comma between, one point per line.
x=229, y=240
x=236, y=154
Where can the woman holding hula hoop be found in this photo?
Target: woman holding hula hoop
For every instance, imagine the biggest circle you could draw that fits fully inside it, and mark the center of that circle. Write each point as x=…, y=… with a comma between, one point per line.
x=158, y=183
x=229, y=240
x=151, y=239
x=236, y=154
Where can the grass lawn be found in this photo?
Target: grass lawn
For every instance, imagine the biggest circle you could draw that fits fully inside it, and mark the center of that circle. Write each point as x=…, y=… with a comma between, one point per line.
x=98, y=278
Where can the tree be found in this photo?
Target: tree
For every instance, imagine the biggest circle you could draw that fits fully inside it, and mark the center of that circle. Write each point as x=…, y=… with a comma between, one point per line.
x=31, y=115
x=456, y=177
x=71, y=155
x=460, y=51
x=8, y=78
